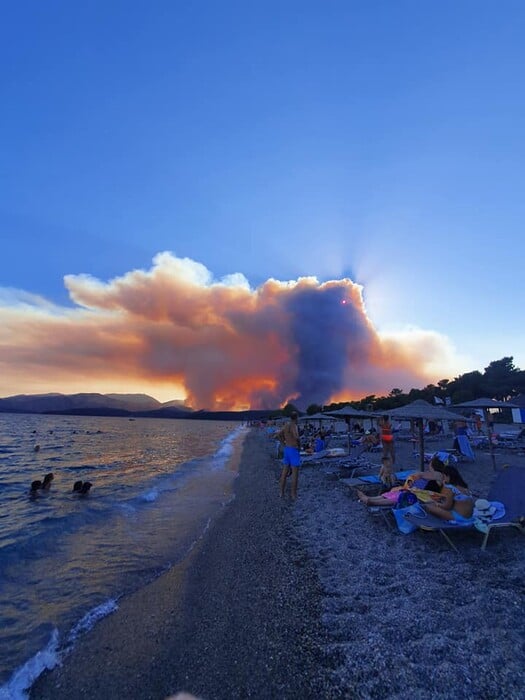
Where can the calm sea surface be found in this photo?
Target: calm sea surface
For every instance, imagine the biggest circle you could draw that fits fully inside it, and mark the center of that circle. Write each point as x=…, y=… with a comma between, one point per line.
x=65, y=560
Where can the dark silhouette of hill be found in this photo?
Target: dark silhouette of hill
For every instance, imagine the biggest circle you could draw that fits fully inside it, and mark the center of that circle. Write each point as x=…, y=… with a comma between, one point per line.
x=65, y=403
x=130, y=405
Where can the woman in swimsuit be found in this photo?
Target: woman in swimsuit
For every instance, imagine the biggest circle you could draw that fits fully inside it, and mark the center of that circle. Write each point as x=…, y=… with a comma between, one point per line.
x=456, y=502
x=425, y=485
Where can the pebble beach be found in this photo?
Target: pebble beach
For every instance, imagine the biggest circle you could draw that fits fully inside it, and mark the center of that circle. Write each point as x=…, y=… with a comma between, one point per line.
x=315, y=599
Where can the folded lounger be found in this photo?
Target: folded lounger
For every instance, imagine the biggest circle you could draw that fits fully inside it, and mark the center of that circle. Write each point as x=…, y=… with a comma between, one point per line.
x=508, y=488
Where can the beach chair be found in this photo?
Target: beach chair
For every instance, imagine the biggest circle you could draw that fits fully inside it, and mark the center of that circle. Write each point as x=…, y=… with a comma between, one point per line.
x=464, y=448
x=374, y=480
x=508, y=488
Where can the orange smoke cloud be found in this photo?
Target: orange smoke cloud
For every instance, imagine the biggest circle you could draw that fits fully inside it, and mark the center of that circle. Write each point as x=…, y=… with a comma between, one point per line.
x=221, y=343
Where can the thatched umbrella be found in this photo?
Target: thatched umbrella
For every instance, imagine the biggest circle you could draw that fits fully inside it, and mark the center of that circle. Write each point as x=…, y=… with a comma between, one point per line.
x=419, y=410
x=485, y=404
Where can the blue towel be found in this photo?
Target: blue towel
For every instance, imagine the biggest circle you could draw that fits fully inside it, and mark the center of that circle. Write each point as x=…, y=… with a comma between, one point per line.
x=374, y=479
x=404, y=474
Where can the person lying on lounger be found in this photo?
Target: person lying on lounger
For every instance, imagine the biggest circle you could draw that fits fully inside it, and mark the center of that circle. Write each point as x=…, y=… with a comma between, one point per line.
x=425, y=485
x=450, y=501
x=456, y=502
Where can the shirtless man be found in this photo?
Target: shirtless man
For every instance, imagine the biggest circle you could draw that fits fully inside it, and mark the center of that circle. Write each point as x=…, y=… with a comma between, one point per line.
x=289, y=437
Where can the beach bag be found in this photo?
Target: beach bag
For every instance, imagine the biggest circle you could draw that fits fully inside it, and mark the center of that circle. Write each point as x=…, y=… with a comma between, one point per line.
x=403, y=525
x=406, y=498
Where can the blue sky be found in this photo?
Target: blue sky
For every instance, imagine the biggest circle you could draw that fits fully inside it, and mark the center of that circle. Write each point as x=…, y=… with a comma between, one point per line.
x=380, y=141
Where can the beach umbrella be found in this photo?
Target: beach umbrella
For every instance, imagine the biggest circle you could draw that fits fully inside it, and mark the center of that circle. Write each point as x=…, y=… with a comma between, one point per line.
x=420, y=410
x=317, y=416
x=349, y=412
x=485, y=404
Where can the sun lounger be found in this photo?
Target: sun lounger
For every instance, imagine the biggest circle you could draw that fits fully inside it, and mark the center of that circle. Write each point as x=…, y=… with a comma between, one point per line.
x=462, y=445
x=373, y=479
x=508, y=488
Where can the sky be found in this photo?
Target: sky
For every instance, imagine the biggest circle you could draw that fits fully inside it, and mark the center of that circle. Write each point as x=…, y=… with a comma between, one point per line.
x=244, y=203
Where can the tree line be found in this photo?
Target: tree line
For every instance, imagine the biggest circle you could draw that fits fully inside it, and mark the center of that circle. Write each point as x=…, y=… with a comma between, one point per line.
x=501, y=380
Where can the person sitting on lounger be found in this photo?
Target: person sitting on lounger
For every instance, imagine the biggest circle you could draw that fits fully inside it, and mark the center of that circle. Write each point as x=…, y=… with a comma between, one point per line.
x=386, y=473
x=370, y=439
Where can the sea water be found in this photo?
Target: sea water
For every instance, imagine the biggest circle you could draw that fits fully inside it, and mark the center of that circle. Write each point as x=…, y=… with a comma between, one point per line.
x=65, y=559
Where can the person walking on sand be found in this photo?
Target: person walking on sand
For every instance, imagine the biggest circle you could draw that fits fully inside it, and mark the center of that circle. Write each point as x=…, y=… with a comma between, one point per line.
x=387, y=438
x=289, y=437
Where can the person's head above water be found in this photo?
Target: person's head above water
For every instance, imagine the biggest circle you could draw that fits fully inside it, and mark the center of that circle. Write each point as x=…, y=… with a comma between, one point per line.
x=77, y=486
x=35, y=485
x=85, y=488
x=47, y=480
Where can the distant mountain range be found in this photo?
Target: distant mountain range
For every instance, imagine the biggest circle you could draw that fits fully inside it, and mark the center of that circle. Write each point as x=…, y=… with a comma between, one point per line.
x=73, y=403
x=139, y=405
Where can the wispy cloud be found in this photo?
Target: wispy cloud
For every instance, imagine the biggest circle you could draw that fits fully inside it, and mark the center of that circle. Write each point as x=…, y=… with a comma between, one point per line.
x=221, y=342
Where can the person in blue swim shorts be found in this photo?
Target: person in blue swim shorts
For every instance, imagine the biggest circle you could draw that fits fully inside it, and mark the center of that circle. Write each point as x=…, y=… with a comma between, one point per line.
x=289, y=437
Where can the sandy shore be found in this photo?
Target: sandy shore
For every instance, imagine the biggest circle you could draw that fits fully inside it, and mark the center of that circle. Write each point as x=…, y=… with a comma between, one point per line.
x=315, y=599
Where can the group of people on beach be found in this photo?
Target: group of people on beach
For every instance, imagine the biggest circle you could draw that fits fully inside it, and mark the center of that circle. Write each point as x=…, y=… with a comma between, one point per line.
x=290, y=439
x=440, y=488
x=81, y=488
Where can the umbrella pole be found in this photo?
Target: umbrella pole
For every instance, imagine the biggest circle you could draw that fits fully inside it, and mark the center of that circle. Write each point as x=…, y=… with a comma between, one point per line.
x=489, y=433
x=421, y=446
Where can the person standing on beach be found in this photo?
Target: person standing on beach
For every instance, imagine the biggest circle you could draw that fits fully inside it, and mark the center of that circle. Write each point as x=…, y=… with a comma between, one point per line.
x=289, y=437
x=387, y=438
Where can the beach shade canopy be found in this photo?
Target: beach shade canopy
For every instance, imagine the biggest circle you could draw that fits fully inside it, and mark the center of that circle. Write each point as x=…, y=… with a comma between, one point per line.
x=317, y=416
x=349, y=412
x=419, y=410
x=485, y=404
x=422, y=409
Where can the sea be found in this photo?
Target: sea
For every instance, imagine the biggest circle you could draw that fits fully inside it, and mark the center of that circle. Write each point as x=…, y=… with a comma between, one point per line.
x=65, y=559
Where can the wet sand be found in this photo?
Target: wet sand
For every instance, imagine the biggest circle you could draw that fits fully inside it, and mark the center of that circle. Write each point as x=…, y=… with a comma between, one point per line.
x=316, y=599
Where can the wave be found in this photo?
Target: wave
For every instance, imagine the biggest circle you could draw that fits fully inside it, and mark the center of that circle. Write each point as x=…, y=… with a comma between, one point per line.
x=90, y=619
x=225, y=451
x=150, y=496
x=24, y=677
x=46, y=659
